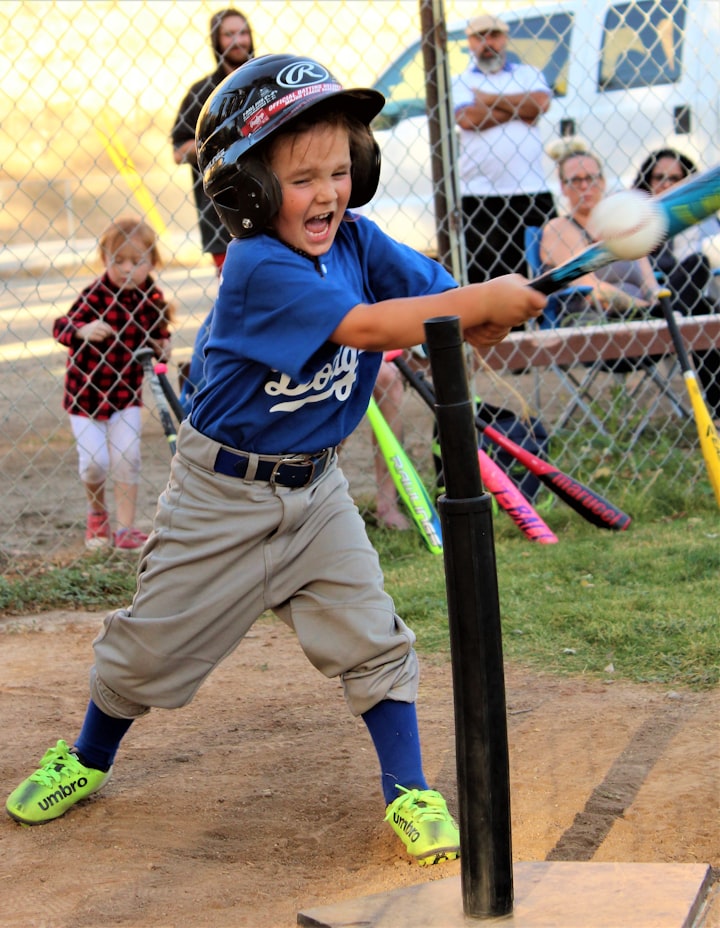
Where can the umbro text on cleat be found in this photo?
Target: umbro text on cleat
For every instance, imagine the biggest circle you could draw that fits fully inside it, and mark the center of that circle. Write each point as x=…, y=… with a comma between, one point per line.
x=420, y=818
x=59, y=782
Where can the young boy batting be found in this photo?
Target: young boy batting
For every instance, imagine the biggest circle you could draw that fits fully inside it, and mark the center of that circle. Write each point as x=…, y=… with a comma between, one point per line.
x=257, y=513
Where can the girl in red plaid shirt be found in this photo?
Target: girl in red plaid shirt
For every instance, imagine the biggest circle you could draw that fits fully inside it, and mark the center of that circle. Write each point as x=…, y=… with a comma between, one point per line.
x=120, y=312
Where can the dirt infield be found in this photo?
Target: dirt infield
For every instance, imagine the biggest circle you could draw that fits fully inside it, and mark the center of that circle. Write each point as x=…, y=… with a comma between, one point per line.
x=262, y=798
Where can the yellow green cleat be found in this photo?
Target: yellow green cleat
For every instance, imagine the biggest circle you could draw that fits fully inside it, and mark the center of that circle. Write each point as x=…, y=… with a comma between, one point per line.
x=420, y=818
x=59, y=782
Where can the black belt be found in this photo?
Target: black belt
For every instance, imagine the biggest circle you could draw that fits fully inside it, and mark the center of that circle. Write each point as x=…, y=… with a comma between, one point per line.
x=284, y=472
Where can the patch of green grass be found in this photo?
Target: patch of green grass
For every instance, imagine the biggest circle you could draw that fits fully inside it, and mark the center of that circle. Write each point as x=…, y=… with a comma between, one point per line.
x=639, y=605
x=95, y=583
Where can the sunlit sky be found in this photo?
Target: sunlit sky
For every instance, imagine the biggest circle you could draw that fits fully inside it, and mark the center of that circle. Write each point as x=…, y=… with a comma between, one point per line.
x=79, y=77
x=124, y=49
x=71, y=68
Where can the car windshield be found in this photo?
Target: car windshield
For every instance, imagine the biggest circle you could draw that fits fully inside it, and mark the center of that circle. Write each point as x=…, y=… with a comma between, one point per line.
x=542, y=41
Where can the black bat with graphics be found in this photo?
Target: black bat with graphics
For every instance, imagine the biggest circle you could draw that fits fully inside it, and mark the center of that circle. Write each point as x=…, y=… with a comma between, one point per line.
x=170, y=395
x=146, y=357
x=586, y=502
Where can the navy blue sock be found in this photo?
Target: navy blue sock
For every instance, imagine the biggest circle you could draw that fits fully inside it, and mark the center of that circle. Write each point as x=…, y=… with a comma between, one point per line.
x=393, y=728
x=100, y=738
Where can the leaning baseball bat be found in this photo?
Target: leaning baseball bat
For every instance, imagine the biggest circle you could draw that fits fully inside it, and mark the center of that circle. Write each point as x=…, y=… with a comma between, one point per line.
x=494, y=479
x=170, y=395
x=586, y=502
x=505, y=492
x=708, y=434
x=590, y=505
x=145, y=357
x=410, y=487
x=511, y=500
x=684, y=205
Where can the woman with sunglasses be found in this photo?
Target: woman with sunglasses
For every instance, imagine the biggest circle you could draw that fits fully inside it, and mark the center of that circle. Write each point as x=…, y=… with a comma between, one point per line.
x=686, y=261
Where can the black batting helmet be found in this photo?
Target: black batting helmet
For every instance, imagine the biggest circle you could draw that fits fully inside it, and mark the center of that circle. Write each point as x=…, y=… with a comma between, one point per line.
x=260, y=97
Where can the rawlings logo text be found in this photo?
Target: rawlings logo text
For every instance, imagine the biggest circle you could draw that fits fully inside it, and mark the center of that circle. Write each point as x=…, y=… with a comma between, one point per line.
x=301, y=73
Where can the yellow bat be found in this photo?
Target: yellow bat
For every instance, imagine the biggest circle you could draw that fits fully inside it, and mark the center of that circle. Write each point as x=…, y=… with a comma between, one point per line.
x=125, y=166
x=709, y=438
x=708, y=434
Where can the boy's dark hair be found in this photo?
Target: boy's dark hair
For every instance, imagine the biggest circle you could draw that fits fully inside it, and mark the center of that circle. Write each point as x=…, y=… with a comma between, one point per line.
x=363, y=147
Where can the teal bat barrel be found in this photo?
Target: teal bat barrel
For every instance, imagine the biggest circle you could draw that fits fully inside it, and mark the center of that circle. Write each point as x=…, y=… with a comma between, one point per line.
x=475, y=637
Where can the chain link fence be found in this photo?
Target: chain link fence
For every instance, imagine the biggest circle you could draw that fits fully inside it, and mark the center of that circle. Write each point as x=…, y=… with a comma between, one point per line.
x=89, y=92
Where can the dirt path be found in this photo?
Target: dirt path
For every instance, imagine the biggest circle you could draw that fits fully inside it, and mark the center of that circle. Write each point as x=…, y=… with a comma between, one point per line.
x=262, y=799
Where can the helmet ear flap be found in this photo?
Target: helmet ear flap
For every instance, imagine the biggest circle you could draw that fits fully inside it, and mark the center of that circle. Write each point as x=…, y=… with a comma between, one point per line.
x=247, y=204
x=249, y=198
x=365, y=171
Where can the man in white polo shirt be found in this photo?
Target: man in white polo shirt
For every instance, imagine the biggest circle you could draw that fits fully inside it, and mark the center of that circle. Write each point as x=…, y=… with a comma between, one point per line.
x=497, y=105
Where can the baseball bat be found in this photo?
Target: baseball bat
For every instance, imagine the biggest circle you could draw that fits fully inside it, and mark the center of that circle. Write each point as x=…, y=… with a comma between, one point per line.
x=512, y=501
x=683, y=205
x=145, y=357
x=410, y=487
x=125, y=166
x=586, y=502
x=509, y=497
x=707, y=432
x=170, y=395
x=506, y=493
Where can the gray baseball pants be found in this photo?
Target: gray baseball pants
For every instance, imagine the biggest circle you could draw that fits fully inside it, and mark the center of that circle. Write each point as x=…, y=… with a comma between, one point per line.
x=223, y=550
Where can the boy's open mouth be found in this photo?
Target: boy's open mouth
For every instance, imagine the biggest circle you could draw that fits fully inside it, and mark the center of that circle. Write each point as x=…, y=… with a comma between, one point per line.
x=319, y=225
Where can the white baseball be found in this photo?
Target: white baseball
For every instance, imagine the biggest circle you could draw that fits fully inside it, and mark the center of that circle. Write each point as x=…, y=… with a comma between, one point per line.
x=629, y=223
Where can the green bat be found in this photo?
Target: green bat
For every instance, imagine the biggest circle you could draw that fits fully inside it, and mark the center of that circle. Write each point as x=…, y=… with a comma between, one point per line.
x=410, y=487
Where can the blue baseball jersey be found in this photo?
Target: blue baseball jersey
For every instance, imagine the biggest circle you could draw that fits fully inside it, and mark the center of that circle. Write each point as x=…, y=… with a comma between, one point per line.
x=274, y=382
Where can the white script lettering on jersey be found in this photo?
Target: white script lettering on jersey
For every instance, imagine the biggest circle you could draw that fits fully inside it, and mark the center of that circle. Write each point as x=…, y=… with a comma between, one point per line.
x=334, y=379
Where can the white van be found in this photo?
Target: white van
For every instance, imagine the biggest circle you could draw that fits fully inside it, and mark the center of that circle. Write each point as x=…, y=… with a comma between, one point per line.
x=628, y=77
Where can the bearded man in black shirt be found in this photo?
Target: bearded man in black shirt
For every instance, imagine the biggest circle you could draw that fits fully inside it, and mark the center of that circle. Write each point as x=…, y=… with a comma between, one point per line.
x=232, y=43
